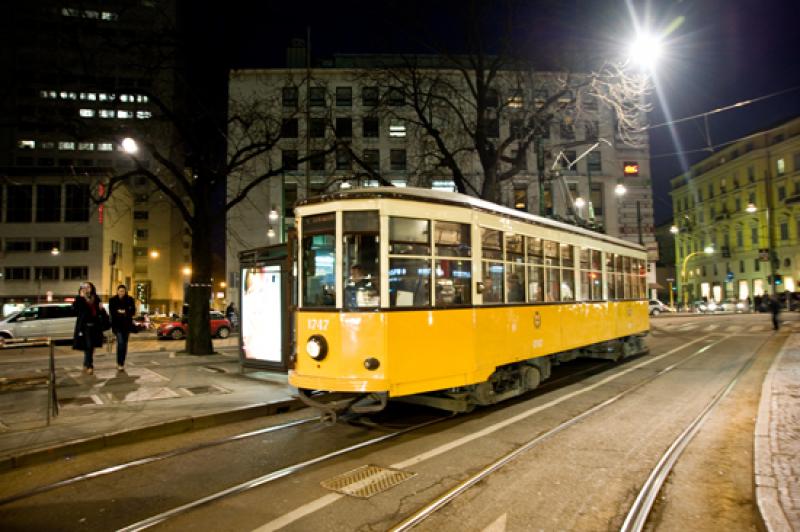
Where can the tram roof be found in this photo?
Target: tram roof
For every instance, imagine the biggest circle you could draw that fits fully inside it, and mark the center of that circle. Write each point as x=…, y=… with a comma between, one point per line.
x=461, y=200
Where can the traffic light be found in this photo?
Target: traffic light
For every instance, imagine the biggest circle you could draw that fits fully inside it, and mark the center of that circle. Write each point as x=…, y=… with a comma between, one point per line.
x=778, y=279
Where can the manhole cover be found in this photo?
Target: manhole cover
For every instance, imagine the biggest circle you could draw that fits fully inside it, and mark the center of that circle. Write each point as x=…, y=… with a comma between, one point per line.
x=366, y=481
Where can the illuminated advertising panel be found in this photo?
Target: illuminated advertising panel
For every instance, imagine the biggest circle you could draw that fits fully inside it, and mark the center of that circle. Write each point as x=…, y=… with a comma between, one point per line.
x=630, y=168
x=261, y=314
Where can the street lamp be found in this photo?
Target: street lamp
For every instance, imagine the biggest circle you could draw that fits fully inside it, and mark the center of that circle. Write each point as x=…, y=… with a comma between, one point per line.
x=751, y=208
x=129, y=145
x=154, y=254
x=55, y=252
x=708, y=250
x=646, y=50
x=620, y=190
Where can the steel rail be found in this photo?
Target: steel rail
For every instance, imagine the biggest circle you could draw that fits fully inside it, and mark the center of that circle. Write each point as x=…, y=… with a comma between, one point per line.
x=270, y=477
x=150, y=459
x=441, y=501
x=640, y=510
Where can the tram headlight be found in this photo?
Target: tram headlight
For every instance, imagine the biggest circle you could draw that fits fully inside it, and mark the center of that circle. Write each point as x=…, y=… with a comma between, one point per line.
x=317, y=347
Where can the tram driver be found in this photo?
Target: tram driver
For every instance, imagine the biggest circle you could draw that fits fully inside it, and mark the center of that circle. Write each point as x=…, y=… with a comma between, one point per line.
x=361, y=290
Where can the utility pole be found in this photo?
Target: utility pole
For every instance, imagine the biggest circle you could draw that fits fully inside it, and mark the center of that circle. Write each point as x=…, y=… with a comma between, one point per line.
x=773, y=255
x=537, y=140
x=639, y=222
x=308, y=115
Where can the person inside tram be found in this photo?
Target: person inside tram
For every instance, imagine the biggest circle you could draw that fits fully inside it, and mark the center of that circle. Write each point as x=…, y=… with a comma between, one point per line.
x=491, y=293
x=516, y=292
x=361, y=290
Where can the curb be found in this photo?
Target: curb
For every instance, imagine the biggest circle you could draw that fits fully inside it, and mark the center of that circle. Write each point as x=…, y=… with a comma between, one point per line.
x=148, y=432
x=766, y=484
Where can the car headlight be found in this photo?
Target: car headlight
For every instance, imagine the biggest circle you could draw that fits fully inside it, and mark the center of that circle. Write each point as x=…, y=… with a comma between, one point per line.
x=317, y=347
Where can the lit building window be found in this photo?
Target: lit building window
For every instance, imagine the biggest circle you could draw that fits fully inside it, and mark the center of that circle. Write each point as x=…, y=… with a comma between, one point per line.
x=66, y=95
x=48, y=94
x=105, y=146
x=780, y=166
x=124, y=114
x=26, y=144
x=90, y=13
x=87, y=113
x=141, y=98
x=70, y=12
x=126, y=97
x=399, y=183
x=85, y=146
x=107, y=15
x=143, y=114
x=397, y=129
x=107, y=96
x=66, y=145
x=443, y=184
x=48, y=145
x=515, y=101
x=106, y=113
x=90, y=96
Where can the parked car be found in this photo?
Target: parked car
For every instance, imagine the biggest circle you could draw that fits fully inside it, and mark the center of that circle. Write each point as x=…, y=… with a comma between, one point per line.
x=657, y=307
x=733, y=305
x=176, y=329
x=701, y=306
x=54, y=320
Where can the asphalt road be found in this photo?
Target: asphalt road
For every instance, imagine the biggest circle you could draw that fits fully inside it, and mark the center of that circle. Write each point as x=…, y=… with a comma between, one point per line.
x=584, y=477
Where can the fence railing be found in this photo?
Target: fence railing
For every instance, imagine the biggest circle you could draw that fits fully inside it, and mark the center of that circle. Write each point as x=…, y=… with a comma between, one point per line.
x=18, y=343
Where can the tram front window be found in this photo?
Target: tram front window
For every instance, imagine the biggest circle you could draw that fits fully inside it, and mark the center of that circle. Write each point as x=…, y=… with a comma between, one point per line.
x=361, y=266
x=319, y=258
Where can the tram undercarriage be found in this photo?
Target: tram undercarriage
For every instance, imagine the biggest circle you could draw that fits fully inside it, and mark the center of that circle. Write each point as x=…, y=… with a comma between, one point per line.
x=506, y=382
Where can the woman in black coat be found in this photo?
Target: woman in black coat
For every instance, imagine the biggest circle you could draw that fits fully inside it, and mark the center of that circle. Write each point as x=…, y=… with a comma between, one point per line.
x=89, y=325
x=122, y=308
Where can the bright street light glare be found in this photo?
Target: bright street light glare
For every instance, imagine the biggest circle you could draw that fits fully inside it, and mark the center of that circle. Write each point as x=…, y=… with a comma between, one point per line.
x=751, y=207
x=129, y=145
x=674, y=230
x=620, y=189
x=579, y=202
x=708, y=250
x=646, y=50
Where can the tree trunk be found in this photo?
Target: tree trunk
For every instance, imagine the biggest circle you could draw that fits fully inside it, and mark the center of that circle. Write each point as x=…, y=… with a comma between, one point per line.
x=198, y=339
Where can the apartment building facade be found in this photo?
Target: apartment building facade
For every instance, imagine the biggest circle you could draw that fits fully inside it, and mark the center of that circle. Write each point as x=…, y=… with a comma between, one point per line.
x=737, y=218
x=341, y=101
x=73, y=94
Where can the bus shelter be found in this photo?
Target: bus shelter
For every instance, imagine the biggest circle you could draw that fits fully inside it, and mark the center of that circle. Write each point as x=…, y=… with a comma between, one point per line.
x=266, y=303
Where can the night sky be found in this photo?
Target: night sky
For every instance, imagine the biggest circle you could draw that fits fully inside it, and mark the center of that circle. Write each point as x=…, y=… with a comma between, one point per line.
x=722, y=53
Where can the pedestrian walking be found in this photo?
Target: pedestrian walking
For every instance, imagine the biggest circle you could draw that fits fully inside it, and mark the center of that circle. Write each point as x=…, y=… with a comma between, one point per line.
x=89, y=325
x=230, y=313
x=775, y=308
x=122, y=308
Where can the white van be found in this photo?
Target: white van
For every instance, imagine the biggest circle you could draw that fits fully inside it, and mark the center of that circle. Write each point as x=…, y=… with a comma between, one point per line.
x=54, y=320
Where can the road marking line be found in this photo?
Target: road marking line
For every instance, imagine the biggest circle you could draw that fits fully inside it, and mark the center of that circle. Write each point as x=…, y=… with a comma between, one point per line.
x=314, y=506
x=499, y=525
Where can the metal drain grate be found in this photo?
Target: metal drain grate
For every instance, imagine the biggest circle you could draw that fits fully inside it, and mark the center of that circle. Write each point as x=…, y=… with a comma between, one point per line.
x=366, y=481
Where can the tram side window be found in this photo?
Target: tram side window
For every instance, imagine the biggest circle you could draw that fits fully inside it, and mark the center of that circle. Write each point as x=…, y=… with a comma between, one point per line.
x=567, y=272
x=627, y=277
x=493, y=270
x=535, y=259
x=319, y=259
x=619, y=278
x=409, y=278
x=360, y=261
x=515, y=269
x=552, y=272
x=611, y=276
x=453, y=277
x=591, y=275
x=642, y=279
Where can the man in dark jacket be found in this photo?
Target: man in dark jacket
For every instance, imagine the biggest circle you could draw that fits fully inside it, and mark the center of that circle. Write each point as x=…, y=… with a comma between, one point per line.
x=775, y=308
x=88, y=325
x=122, y=308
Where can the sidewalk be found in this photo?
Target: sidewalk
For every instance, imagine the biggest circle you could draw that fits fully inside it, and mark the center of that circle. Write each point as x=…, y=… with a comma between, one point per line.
x=160, y=393
x=777, y=441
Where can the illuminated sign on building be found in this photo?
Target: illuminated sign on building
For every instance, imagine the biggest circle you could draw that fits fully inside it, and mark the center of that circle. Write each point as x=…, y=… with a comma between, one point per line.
x=630, y=168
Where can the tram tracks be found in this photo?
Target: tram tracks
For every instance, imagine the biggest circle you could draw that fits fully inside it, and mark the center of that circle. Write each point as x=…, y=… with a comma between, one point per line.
x=637, y=516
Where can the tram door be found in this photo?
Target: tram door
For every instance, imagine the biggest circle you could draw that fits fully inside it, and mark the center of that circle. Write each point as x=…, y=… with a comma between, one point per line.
x=267, y=305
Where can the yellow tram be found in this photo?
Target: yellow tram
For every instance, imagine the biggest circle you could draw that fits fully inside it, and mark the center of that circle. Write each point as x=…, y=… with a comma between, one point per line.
x=446, y=299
